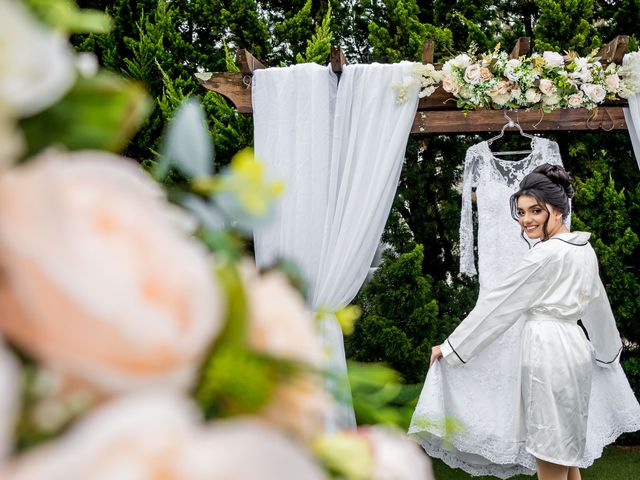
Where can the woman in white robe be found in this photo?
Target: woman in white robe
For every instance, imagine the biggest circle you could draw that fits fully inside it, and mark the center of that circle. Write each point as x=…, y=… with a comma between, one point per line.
x=558, y=288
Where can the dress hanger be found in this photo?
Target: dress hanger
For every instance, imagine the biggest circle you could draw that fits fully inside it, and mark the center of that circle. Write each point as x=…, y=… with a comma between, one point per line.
x=510, y=124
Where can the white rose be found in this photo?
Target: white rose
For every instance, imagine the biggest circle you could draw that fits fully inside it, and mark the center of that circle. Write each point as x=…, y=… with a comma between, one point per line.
x=595, y=93
x=10, y=388
x=551, y=100
x=612, y=83
x=501, y=99
x=472, y=74
x=575, y=100
x=553, y=59
x=153, y=436
x=532, y=95
x=99, y=281
x=510, y=69
x=547, y=87
x=450, y=85
x=515, y=93
x=36, y=65
x=462, y=61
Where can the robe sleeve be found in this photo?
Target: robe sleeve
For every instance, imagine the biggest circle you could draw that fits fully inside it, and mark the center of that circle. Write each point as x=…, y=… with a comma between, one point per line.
x=469, y=180
x=498, y=310
x=601, y=326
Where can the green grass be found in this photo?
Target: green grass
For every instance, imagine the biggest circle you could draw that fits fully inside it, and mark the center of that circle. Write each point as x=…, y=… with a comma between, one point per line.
x=617, y=463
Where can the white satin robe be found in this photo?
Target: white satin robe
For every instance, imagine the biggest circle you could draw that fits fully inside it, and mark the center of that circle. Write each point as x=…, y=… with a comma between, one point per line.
x=555, y=285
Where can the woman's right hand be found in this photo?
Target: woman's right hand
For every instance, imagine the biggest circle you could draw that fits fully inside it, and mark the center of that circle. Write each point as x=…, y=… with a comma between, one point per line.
x=436, y=354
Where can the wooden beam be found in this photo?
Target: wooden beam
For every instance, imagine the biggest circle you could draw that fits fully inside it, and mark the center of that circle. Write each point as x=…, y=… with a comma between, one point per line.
x=452, y=122
x=247, y=63
x=337, y=59
x=231, y=85
x=522, y=47
x=427, y=51
x=613, y=51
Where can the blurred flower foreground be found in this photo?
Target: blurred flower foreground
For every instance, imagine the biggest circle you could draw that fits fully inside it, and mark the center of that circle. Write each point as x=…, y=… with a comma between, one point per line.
x=137, y=338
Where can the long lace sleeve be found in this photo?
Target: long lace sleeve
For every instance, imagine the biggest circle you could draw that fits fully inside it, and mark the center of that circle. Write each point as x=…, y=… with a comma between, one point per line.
x=469, y=180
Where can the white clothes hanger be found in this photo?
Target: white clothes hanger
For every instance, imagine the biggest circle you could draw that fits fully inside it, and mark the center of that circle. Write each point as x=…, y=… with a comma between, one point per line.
x=510, y=124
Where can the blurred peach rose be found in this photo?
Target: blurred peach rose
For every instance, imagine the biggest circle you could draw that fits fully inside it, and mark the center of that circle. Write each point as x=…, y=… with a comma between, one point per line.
x=159, y=437
x=575, y=100
x=10, y=388
x=396, y=456
x=36, y=65
x=280, y=325
x=99, y=281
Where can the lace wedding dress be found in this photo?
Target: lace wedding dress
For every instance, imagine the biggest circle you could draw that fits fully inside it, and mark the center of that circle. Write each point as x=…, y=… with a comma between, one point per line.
x=470, y=416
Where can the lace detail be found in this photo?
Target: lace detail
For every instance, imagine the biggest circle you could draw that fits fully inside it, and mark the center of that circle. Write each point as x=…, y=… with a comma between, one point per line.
x=494, y=181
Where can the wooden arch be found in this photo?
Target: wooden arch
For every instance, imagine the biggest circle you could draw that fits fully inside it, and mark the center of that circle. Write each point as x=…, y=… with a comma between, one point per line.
x=437, y=114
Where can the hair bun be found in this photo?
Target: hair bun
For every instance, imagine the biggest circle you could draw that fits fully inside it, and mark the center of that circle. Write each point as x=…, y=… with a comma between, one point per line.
x=557, y=175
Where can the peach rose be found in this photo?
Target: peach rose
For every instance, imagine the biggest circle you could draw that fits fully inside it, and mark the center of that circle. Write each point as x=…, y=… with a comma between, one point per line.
x=281, y=325
x=99, y=281
x=547, y=87
x=450, y=85
x=159, y=437
x=472, y=74
x=10, y=388
x=485, y=74
x=500, y=88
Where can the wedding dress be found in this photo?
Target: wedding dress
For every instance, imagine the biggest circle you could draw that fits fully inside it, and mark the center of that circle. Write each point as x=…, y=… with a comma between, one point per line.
x=472, y=416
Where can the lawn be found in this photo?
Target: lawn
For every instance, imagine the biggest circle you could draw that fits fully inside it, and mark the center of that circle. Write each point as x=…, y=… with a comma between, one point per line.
x=617, y=463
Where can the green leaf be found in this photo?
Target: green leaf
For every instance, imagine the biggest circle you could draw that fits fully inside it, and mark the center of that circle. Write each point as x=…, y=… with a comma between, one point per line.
x=65, y=15
x=101, y=112
x=187, y=144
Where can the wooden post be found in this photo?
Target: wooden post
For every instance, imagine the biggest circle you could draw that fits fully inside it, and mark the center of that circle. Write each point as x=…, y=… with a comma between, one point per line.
x=614, y=51
x=247, y=63
x=337, y=59
x=522, y=47
x=427, y=51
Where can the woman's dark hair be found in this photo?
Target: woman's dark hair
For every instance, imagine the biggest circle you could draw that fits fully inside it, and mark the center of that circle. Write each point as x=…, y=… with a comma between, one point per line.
x=549, y=185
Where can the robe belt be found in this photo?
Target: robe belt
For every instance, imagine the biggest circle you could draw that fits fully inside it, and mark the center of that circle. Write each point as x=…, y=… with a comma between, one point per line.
x=545, y=317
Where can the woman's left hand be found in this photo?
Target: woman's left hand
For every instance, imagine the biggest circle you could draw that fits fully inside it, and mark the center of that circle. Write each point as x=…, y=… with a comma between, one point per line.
x=436, y=354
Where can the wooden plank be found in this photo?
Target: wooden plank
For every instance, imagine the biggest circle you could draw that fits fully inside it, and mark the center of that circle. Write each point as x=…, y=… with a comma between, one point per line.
x=337, y=59
x=613, y=51
x=450, y=122
x=427, y=51
x=522, y=47
x=232, y=86
x=247, y=63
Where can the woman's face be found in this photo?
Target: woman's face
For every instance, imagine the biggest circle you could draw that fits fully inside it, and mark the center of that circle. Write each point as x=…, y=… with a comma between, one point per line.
x=532, y=215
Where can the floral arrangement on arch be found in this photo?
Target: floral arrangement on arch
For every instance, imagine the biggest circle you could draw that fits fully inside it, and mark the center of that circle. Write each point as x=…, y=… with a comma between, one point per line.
x=546, y=82
x=138, y=339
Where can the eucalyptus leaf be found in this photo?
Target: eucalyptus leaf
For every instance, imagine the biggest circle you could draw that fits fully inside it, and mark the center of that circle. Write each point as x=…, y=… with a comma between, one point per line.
x=187, y=144
x=102, y=112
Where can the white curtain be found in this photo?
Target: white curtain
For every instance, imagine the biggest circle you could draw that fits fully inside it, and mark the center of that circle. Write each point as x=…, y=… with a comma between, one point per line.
x=632, y=114
x=340, y=152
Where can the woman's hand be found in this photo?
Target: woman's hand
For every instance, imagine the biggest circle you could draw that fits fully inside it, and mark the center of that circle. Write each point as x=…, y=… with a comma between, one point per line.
x=436, y=354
